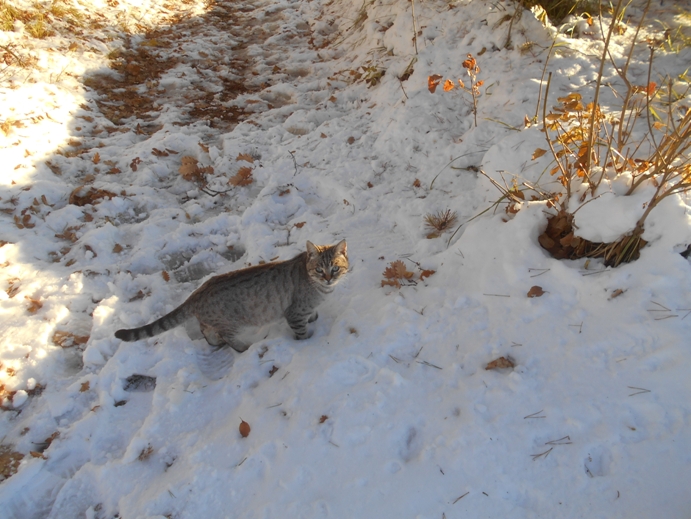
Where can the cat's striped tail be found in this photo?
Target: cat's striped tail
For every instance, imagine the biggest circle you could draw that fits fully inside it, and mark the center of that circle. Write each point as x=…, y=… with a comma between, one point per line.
x=167, y=322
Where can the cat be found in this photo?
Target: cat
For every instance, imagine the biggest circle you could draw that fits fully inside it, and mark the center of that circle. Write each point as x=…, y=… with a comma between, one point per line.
x=227, y=304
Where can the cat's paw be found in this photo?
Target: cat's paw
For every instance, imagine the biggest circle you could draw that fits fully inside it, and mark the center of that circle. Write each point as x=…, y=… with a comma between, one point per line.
x=303, y=337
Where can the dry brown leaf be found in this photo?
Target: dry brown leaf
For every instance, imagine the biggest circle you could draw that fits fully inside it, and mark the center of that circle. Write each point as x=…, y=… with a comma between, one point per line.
x=617, y=293
x=535, y=291
x=273, y=370
x=81, y=196
x=299, y=225
x=13, y=287
x=539, y=152
x=204, y=147
x=117, y=248
x=9, y=461
x=397, y=270
x=501, y=363
x=96, y=158
x=426, y=273
x=433, y=82
x=135, y=163
x=34, y=304
x=244, y=429
x=165, y=275
x=84, y=386
x=242, y=178
x=67, y=339
x=159, y=153
x=448, y=85
x=323, y=418
x=416, y=183
x=246, y=157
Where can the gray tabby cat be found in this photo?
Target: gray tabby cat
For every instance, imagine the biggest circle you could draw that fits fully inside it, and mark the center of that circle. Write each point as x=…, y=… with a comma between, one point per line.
x=255, y=296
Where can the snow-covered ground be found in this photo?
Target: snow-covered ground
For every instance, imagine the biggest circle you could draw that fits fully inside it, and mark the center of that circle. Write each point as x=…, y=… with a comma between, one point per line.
x=388, y=410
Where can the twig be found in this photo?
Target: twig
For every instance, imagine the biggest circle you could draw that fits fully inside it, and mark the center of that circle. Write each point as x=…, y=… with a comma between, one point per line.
x=459, y=498
x=640, y=390
x=295, y=162
x=545, y=454
x=560, y=441
x=243, y=461
x=418, y=352
x=540, y=274
x=497, y=295
x=427, y=364
x=580, y=327
x=533, y=415
x=397, y=361
x=401, y=83
x=415, y=27
x=275, y=405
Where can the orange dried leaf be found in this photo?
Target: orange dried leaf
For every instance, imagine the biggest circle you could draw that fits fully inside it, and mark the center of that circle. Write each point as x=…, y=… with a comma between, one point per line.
x=426, y=273
x=397, y=270
x=448, y=85
x=84, y=387
x=390, y=282
x=246, y=157
x=323, y=418
x=299, y=225
x=244, y=429
x=34, y=304
x=501, y=363
x=539, y=152
x=433, y=82
x=242, y=178
x=535, y=291
x=97, y=158
x=165, y=275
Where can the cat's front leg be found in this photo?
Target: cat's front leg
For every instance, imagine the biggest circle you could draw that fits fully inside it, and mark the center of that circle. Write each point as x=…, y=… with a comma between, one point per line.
x=297, y=320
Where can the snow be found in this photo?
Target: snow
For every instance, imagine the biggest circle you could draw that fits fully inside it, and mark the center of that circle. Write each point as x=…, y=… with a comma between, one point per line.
x=387, y=410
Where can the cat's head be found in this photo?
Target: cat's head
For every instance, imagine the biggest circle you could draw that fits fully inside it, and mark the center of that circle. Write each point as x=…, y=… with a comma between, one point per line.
x=327, y=264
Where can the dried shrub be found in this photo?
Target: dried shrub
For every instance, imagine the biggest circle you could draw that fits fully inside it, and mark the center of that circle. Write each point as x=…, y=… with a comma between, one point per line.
x=440, y=221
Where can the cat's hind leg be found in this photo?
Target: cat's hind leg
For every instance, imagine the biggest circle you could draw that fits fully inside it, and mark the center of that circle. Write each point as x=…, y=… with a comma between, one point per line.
x=313, y=317
x=215, y=362
x=222, y=336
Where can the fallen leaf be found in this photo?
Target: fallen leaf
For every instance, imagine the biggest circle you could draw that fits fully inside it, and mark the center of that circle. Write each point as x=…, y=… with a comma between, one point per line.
x=96, y=158
x=244, y=429
x=448, y=85
x=165, y=275
x=246, y=157
x=539, y=152
x=299, y=225
x=426, y=273
x=273, y=370
x=397, y=270
x=617, y=293
x=242, y=178
x=323, y=418
x=117, y=248
x=535, y=291
x=350, y=140
x=501, y=363
x=433, y=82
x=84, y=387
x=34, y=304
x=416, y=183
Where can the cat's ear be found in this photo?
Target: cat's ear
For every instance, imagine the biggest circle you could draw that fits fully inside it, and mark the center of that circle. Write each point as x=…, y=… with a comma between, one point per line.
x=312, y=249
x=341, y=248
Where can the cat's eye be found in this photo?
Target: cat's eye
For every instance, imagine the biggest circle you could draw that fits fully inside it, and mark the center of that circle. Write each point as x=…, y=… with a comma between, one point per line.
x=334, y=269
x=319, y=270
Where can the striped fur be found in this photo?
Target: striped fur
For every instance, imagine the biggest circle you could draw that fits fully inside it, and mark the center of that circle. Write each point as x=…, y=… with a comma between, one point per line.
x=255, y=296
